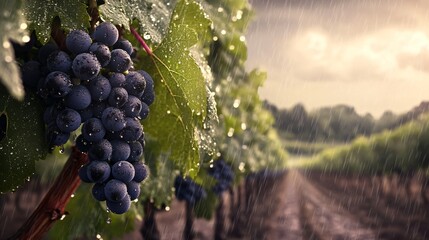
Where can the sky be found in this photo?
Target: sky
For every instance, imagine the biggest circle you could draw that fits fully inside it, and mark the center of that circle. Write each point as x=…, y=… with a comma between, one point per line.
x=373, y=55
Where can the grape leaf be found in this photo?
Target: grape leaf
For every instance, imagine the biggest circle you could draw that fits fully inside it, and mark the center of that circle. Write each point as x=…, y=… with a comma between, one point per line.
x=153, y=16
x=12, y=27
x=40, y=13
x=181, y=97
x=24, y=141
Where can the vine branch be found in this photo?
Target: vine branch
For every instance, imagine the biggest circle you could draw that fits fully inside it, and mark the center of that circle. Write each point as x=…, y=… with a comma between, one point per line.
x=52, y=207
x=141, y=41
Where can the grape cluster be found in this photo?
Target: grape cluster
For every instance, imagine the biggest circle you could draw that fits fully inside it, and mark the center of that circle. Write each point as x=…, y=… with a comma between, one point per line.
x=188, y=190
x=223, y=174
x=92, y=83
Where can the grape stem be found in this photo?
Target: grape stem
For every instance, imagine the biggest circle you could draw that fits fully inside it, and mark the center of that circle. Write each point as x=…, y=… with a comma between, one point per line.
x=141, y=41
x=52, y=207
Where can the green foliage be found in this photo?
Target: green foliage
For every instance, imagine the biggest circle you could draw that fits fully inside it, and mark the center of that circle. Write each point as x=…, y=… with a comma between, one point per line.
x=153, y=16
x=401, y=150
x=181, y=97
x=22, y=145
x=40, y=13
x=13, y=26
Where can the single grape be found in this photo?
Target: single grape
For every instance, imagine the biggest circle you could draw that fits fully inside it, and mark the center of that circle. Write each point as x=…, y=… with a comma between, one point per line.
x=93, y=130
x=120, y=61
x=78, y=41
x=98, y=192
x=100, y=151
x=118, y=97
x=124, y=45
x=56, y=137
x=57, y=84
x=79, y=98
x=133, y=189
x=68, y=120
x=45, y=51
x=135, y=84
x=117, y=80
x=83, y=173
x=31, y=73
x=100, y=88
x=132, y=107
x=86, y=66
x=136, y=152
x=86, y=114
x=98, y=171
x=123, y=171
x=121, y=206
x=144, y=112
x=120, y=150
x=82, y=144
x=102, y=52
x=115, y=190
x=149, y=94
x=132, y=130
x=106, y=33
x=113, y=119
x=141, y=140
x=98, y=108
x=140, y=172
x=59, y=61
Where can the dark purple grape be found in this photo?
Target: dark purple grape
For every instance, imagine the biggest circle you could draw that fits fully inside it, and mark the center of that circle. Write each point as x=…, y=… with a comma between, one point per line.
x=79, y=98
x=98, y=192
x=68, y=120
x=102, y=52
x=120, y=150
x=132, y=107
x=100, y=151
x=118, y=97
x=93, y=130
x=83, y=174
x=124, y=45
x=59, y=61
x=133, y=189
x=100, y=88
x=106, y=33
x=144, y=112
x=140, y=172
x=56, y=137
x=45, y=51
x=98, y=108
x=57, y=84
x=115, y=190
x=31, y=73
x=119, y=207
x=82, y=144
x=136, y=152
x=120, y=61
x=51, y=113
x=113, y=119
x=148, y=97
x=86, y=114
x=149, y=94
x=117, y=80
x=132, y=130
x=86, y=66
x=78, y=41
x=98, y=171
x=135, y=84
x=141, y=140
x=123, y=171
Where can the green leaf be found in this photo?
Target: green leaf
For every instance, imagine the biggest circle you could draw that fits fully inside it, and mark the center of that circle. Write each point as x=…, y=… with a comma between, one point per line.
x=181, y=97
x=12, y=27
x=24, y=142
x=153, y=16
x=40, y=13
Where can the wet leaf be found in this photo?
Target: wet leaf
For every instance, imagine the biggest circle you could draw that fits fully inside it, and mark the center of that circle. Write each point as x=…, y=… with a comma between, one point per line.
x=24, y=141
x=40, y=13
